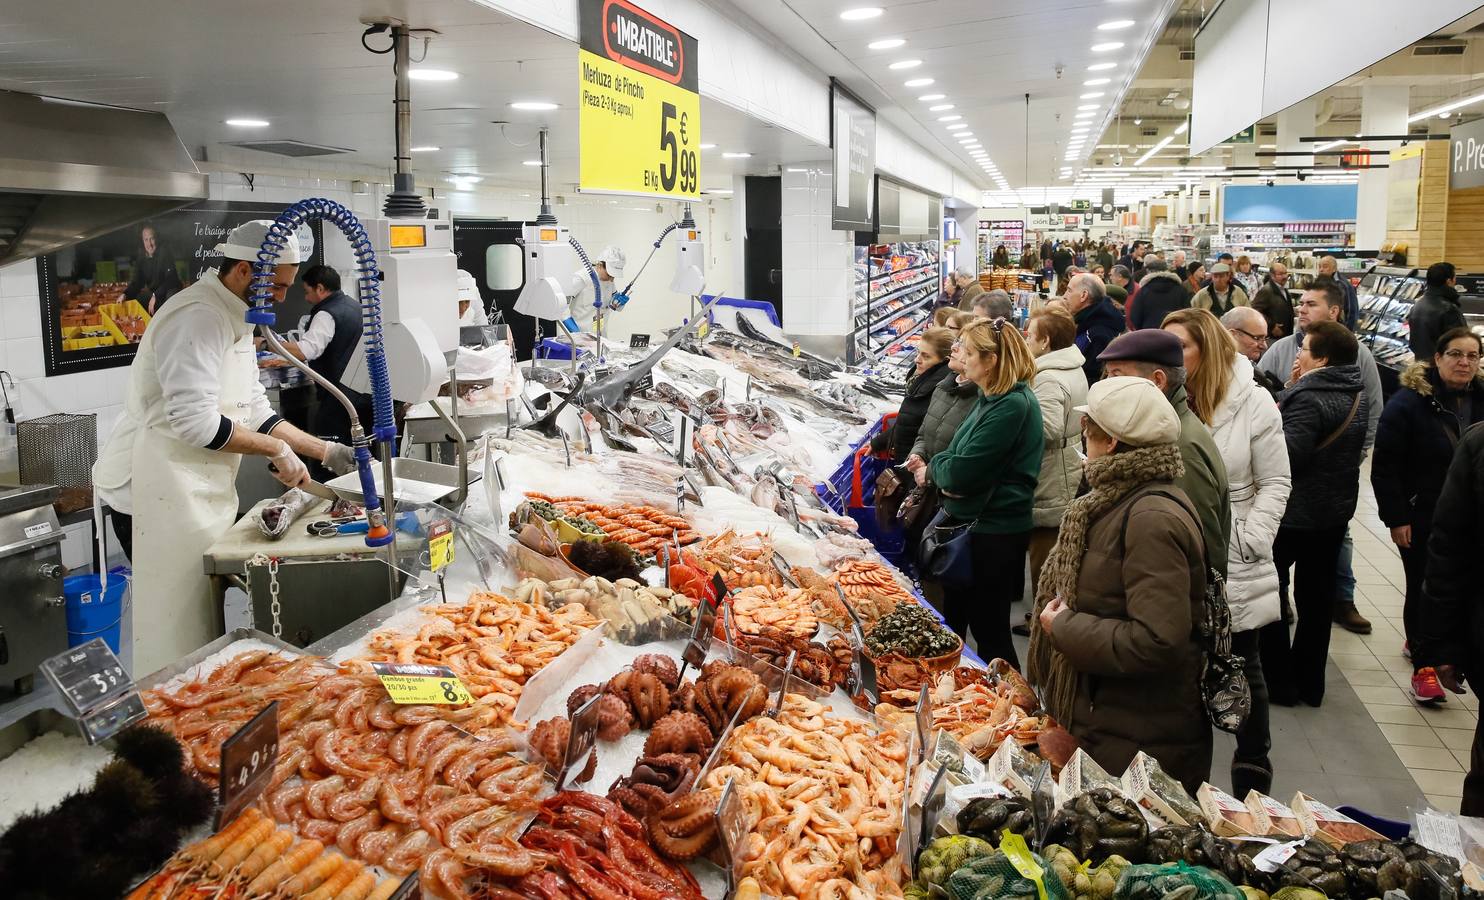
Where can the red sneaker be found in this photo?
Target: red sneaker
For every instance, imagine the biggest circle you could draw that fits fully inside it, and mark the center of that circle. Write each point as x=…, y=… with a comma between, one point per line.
x=1425, y=687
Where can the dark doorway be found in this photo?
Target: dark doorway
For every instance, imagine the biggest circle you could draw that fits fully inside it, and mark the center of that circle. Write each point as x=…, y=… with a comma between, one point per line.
x=489, y=249
x=764, y=257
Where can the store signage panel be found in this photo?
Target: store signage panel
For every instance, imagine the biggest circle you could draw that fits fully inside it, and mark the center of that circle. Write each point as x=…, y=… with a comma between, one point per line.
x=853, y=141
x=1466, y=156
x=639, y=105
x=1403, y=184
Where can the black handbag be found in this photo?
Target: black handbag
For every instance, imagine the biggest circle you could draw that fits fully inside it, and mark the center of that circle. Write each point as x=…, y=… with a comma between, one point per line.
x=917, y=510
x=944, y=554
x=1225, y=692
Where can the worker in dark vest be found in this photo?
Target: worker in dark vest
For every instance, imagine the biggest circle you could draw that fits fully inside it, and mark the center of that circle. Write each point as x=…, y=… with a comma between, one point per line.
x=327, y=344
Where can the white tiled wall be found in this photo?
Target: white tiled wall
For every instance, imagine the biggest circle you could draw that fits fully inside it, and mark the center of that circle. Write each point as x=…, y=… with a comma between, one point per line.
x=818, y=277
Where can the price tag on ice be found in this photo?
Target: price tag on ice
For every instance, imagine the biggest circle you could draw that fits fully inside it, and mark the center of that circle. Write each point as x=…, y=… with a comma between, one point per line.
x=409, y=683
x=88, y=676
x=932, y=805
x=731, y=827
x=924, y=721
x=862, y=667
x=580, y=740
x=638, y=341
x=247, y=761
x=407, y=889
x=440, y=544
x=701, y=633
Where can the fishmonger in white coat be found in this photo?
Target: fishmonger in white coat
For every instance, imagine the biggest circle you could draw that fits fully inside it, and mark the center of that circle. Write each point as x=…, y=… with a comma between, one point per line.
x=193, y=409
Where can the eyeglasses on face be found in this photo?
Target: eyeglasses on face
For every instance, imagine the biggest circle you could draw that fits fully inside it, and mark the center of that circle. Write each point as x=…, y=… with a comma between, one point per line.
x=1456, y=355
x=1254, y=338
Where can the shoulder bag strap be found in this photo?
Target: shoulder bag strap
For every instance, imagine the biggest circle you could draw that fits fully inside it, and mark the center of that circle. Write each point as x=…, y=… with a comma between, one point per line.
x=1354, y=406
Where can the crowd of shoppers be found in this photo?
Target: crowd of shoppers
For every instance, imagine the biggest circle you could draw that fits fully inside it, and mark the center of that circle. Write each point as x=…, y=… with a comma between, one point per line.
x=1222, y=431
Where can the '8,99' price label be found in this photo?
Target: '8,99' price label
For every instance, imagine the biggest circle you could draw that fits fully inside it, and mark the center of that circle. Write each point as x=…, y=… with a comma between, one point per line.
x=639, y=103
x=440, y=544
x=409, y=683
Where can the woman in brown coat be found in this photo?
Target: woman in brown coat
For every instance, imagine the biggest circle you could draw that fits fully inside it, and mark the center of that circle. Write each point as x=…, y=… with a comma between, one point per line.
x=1114, y=646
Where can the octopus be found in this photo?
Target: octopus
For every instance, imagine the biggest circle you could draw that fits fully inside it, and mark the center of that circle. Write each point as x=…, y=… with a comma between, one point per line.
x=661, y=667
x=679, y=732
x=725, y=691
x=647, y=696
x=548, y=741
x=614, y=718
x=686, y=828
x=581, y=695
x=672, y=773
x=683, y=699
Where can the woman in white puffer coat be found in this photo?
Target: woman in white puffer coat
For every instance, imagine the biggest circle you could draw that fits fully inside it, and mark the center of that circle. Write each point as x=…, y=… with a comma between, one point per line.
x=1248, y=431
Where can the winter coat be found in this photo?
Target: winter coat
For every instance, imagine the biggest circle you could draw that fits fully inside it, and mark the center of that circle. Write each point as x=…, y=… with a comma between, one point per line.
x=988, y=473
x=1060, y=387
x=1250, y=281
x=1062, y=259
x=1097, y=326
x=1248, y=431
x=1274, y=304
x=1453, y=604
x=1204, y=481
x=1001, y=259
x=902, y=434
x=1420, y=428
x=1132, y=637
x=1030, y=261
x=1277, y=361
x=1160, y=293
x=949, y=406
x=1325, y=482
x=1206, y=298
x=1436, y=311
x=968, y=294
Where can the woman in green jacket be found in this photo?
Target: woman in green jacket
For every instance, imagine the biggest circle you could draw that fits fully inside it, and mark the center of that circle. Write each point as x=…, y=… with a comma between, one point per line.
x=987, y=476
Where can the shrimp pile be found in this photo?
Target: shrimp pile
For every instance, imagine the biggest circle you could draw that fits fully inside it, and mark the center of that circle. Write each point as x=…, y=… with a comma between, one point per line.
x=824, y=798
x=590, y=847
x=251, y=858
x=642, y=527
x=740, y=561
x=870, y=601
x=494, y=644
x=786, y=610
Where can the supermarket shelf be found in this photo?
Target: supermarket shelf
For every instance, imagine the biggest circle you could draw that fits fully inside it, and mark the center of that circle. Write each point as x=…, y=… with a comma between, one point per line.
x=905, y=289
x=897, y=341
x=897, y=313
x=931, y=264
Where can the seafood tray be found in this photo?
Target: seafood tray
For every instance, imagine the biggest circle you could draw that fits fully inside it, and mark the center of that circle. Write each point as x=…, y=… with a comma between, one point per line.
x=211, y=656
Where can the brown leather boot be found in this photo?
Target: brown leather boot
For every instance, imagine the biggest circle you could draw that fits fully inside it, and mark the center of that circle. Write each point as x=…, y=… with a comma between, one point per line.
x=1350, y=619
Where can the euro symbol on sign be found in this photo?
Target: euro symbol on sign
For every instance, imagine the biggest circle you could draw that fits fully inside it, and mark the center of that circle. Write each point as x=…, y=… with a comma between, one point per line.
x=683, y=138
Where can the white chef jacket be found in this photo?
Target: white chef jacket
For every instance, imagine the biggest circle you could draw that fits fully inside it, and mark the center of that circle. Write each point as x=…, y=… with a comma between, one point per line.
x=580, y=298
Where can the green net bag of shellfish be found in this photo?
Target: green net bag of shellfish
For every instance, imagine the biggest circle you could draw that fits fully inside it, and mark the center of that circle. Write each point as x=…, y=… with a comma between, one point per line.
x=1012, y=873
x=1173, y=881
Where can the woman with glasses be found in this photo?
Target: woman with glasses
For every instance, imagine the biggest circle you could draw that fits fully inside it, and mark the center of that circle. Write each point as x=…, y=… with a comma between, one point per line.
x=1324, y=425
x=1423, y=421
x=1248, y=432
x=987, y=478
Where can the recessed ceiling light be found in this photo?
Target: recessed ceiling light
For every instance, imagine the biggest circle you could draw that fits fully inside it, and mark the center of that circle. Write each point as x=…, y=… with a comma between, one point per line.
x=861, y=13
x=425, y=149
x=1094, y=82
x=953, y=118
x=941, y=107
x=928, y=98
x=918, y=82
x=736, y=156
x=957, y=126
x=432, y=75
x=465, y=179
x=533, y=105
x=248, y=123
x=1080, y=128
x=1107, y=47
x=708, y=146
x=1084, y=115
x=531, y=162
x=905, y=64
x=1138, y=121
x=724, y=193
x=1115, y=25
x=1101, y=67
x=885, y=44
x=1091, y=95
x=1086, y=106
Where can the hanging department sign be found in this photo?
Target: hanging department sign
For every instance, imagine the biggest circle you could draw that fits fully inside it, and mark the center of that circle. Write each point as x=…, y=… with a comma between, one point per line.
x=640, y=110
x=1466, y=156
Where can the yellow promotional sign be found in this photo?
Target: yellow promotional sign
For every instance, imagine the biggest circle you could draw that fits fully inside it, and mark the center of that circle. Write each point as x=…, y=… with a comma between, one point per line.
x=639, y=109
x=409, y=683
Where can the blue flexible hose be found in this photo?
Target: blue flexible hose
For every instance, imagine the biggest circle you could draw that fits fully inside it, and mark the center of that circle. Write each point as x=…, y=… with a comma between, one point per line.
x=592, y=273
x=260, y=312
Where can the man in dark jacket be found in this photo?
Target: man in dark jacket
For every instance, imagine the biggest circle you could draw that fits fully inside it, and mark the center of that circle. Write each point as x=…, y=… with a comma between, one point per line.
x=1062, y=259
x=1324, y=425
x=1435, y=312
x=1156, y=355
x=1328, y=267
x=1160, y=293
x=327, y=345
x=1273, y=302
x=1453, y=603
x=1098, y=321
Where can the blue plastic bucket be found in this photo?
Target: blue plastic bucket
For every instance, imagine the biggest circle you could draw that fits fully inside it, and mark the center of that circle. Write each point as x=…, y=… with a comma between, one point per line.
x=93, y=612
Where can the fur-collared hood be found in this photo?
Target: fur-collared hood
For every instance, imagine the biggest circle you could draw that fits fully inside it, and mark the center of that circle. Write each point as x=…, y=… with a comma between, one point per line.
x=1152, y=276
x=1422, y=378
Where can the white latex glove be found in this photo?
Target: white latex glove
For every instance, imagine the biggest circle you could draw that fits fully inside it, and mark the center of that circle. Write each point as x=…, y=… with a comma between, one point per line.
x=287, y=467
x=339, y=458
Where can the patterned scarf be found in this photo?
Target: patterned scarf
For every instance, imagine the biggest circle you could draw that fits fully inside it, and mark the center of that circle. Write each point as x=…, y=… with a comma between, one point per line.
x=1111, y=479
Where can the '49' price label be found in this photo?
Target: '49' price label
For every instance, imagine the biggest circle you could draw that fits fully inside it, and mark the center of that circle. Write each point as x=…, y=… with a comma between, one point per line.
x=408, y=683
x=247, y=761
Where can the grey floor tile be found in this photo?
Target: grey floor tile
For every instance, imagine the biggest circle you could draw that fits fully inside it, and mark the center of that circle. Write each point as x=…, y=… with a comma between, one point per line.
x=1455, y=738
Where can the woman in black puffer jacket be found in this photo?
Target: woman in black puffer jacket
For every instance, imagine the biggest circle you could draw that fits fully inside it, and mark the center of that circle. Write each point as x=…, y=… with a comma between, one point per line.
x=1422, y=422
x=932, y=367
x=1324, y=425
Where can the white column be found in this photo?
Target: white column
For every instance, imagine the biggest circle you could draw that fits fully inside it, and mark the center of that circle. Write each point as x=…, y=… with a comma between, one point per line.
x=818, y=262
x=1293, y=123
x=1383, y=110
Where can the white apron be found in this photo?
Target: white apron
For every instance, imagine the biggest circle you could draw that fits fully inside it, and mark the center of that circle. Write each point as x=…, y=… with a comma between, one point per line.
x=182, y=497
